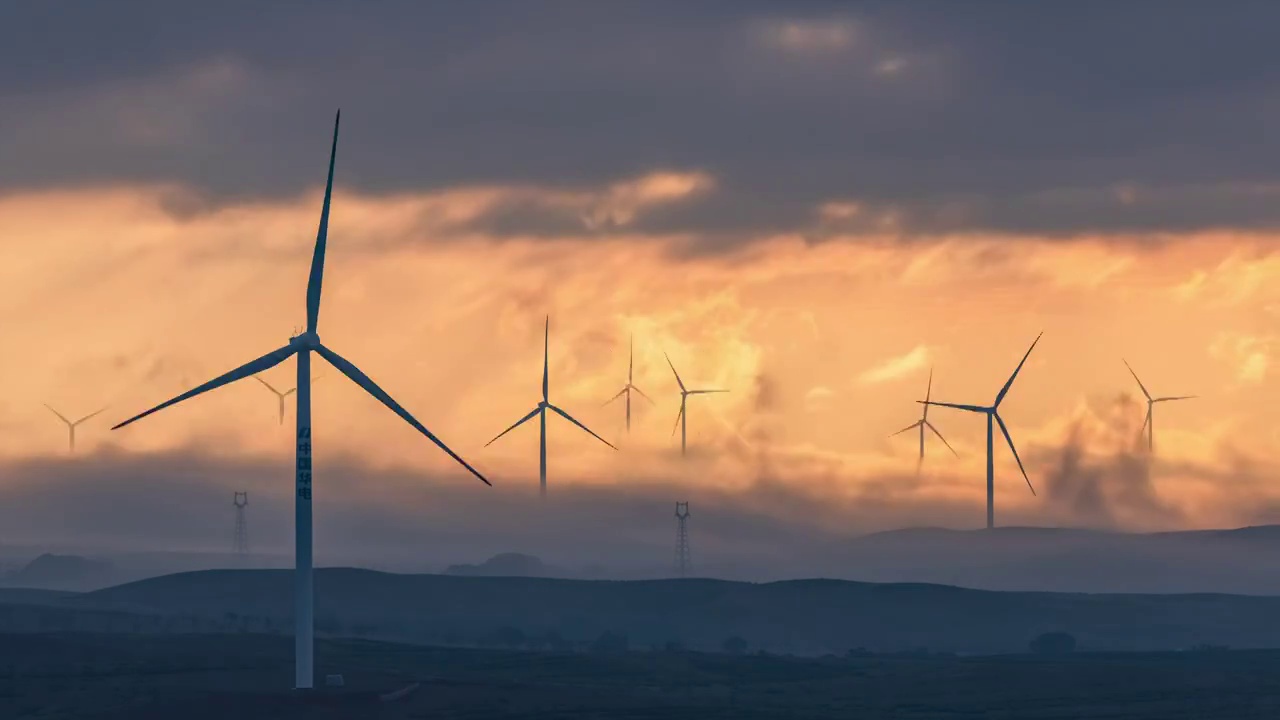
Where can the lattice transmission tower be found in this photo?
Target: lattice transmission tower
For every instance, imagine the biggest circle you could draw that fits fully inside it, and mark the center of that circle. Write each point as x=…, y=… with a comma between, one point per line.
x=240, y=544
x=684, y=558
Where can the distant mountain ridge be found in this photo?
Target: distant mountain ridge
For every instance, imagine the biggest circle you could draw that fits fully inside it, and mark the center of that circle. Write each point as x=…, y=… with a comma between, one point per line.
x=508, y=565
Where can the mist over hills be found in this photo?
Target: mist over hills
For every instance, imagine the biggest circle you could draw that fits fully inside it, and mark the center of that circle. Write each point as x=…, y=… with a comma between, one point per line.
x=1236, y=561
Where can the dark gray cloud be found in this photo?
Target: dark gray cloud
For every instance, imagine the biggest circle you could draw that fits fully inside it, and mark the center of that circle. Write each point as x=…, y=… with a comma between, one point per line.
x=1046, y=117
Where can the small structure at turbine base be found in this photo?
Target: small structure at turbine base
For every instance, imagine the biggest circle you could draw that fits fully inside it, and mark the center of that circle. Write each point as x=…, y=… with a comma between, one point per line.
x=684, y=557
x=240, y=541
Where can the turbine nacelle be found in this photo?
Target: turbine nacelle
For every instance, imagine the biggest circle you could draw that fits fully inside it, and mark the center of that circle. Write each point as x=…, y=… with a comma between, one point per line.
x=306, y=340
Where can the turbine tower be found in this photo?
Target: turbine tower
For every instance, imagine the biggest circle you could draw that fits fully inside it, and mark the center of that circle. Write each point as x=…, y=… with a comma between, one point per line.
x=684, y=559
x=683, y=415
x=72, y=425
x=541, y=411
x=1148, y=424
x=923, y=423
x=281, y=395
x=240, y=543
x=629, y=387
x=302, y=345
x=993, y=413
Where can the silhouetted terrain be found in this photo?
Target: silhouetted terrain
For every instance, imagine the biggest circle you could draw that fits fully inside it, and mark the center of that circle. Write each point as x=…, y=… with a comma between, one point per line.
x=63, y=572
x=195, y=677
x=804, y=617
x=1240, y=561
x=508, y=565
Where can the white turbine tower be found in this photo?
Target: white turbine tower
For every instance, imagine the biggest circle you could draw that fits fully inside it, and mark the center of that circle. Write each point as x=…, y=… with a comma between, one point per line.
x=541, y=410
x=629, y=387
x=280, y=396
x=302, y=345
x=923, y=423
x=993, y=413
x=683, y=415
x=1149, y=423
x=72, y=425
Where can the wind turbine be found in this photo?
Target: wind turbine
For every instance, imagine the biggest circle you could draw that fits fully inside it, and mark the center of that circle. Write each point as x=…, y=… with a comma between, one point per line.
x=72, y=425
x=993, y=413
x=541, y=410
x=923, y=423
x=281, y=395
x=1148, y=424
x=302, y=345
x=682, y=416
x=626, y=389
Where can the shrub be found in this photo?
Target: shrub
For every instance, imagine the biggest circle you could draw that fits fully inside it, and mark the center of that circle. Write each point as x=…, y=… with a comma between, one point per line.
x=1053, y=643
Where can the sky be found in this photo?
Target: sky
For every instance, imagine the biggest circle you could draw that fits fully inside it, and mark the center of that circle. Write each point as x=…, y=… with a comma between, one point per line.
x=811, y=204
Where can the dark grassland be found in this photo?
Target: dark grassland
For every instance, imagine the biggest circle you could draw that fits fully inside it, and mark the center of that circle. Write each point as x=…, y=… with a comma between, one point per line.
x=240, y=676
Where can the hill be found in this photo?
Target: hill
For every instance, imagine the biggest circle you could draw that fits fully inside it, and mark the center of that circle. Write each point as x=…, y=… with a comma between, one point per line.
x=804, y=616
x=1238, y=561
x=507, y=565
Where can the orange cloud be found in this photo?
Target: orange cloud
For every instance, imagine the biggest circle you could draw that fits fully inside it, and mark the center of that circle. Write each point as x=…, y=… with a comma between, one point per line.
x=109, y=297
x=896, y=367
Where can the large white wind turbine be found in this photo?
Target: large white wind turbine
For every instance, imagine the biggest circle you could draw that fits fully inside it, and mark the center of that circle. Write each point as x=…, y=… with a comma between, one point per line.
x=683, y=415
x=302, y=345
x=923, y=423
x=280, y=396
x=72, y=425
x=541, y=411
x=1149, y=423
x=993, y=413
x=629, y=387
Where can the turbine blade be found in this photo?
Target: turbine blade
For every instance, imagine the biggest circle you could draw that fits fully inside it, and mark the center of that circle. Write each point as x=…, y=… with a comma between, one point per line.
x=266, y=362
x=364, y=381
x=673, y=370
x=646, y=397
x=704, y=392
x=289, y=392
x=271, y=387
x=957, y=406
x=621, y=392
x=546, y=355
x=928, y=394
x=631, y=357
x=517, y=424
x=55, y=412
x=944, y=440
x=568, y=417
x=1009, y=384
x=678, y=416
x=1146, y=419
x=1178, y=397
x=316, y=279
x=912, y=426
x=91, y=415
x=1009, y=440
x=1135, y=377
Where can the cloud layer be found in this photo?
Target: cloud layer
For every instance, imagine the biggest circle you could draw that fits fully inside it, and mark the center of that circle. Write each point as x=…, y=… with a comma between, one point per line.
x=928, y=119
x=730, y=184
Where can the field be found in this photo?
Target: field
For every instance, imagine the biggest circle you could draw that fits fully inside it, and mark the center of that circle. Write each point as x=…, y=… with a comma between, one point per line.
x=194, y=677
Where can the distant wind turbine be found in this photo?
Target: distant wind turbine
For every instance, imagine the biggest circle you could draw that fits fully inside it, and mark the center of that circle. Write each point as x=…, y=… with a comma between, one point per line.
x=992, y=413
x=923, y=423
x=1149, y=424
x=72, y=425
x=281, y=395
x=683, y=415
x=541, y=411
x=302, y=345
x=629, y=387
